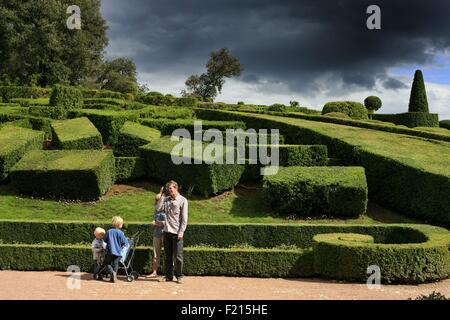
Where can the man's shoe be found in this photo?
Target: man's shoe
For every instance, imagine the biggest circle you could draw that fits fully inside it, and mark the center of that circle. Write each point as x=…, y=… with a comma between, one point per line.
x=166, y=279
x=114, y=277
x=180, y=280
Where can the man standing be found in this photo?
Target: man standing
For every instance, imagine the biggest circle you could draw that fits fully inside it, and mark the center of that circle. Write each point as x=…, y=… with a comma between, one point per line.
x=175, y=207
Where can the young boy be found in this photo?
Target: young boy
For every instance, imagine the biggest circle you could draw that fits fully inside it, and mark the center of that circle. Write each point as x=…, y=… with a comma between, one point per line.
x=98, y=250
x=115, y=240
x=159, y=218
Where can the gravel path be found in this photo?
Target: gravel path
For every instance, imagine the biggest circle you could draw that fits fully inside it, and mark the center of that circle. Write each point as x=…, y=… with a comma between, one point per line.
x=53, y=285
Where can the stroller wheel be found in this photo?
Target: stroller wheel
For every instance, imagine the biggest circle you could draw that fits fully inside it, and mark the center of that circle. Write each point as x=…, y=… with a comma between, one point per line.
x=130, y=278
x=135, y=275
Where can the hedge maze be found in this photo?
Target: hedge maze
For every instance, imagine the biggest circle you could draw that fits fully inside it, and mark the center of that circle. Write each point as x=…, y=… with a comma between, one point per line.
x=72, y=144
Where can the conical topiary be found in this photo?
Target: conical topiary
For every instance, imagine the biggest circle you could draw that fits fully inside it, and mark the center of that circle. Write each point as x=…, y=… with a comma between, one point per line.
x=418, y=101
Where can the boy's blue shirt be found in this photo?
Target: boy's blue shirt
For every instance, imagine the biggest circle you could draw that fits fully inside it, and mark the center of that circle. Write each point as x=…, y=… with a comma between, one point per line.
x=115, y=240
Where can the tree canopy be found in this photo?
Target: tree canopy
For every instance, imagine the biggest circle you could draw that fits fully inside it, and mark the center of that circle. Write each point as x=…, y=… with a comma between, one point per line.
x=221, y=65
x=37, y=48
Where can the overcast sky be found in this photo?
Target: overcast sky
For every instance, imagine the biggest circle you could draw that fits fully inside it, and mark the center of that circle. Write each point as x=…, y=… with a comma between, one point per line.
x=311, y=51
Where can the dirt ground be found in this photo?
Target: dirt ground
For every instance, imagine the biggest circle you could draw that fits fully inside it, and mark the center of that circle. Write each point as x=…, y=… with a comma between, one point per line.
x=53, y=285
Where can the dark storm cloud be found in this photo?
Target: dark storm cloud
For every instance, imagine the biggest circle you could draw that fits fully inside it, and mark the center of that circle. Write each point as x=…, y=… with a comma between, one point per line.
x=305, y=44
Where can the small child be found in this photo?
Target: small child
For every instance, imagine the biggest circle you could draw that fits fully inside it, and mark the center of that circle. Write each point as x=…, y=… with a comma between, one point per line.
x=98, y=250
x=115, y=241
x=159, y=219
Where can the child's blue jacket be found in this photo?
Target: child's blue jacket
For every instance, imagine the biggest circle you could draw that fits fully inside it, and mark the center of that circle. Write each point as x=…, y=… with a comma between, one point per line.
x=115, y=240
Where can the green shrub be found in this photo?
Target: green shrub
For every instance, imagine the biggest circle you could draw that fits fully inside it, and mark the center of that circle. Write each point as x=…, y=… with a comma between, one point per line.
x=394, y=179
x=129, y=168
x=77, y=133
x=132, y=136
x=316, y=191
x=93, y=93
x=186, y=102
x=445, y=124
x=298, y=155
x=108, y=123
x=48, y=112
x=206, y=177
x=168, y=126
x=7, y=93
x=373, y=104
x=103, y=106
x=348, y=257
x=66, y=97
x=410, y=119
x=14, y=143
x=70, y=174
x=173, y=113
x=418, y=100
x=354, y=110
x=277, y=108
x=338, y=115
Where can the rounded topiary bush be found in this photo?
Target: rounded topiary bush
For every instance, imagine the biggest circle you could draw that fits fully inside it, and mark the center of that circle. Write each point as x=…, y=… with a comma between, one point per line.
x=348, y=256
x=354, y=110
x=277, y=107
x=338, y=115
x=445, y=124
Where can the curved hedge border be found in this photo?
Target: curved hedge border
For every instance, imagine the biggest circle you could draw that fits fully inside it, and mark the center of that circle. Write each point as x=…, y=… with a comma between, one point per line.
x=445, y=124
x=348, y=257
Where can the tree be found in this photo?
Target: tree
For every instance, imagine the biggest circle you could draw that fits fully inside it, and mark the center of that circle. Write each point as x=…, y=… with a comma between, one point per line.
x=36, y=47
x=372, y=104
x=118, y=75
x=295, y=104
x=418, y=101
x=221, y=65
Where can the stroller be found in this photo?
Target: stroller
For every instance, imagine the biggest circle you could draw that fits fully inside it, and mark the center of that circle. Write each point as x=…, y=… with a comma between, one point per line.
x=126, y=262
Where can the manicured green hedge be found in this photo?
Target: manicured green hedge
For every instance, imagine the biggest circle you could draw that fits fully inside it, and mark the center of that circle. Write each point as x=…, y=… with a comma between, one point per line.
x=69, y=174
x=132, y=136
x=108, y=123
x=129, y=168
x=14, y=143
x=7, y=93
x=172, y=113
x=347, y=258
x=203, y=178
x=316, y=191
x=298, y=155
x=410, y=119
x=354, y=110
x=48, y=112
x=76, y=134
x=445, y=124
x=405, y=253
x=66, y=97
x=168, y=126
x=396, y=183
x=241, y=136
x=198, y=261
x=93, y=93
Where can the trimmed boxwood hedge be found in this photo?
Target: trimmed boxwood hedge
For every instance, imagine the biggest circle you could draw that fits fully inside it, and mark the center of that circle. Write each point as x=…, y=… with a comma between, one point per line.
x=69, y=174
x=408, y=189
x=410, y=119
x=445, y=124
x=129, y=168
x=299, y=155
x=132, y=136
x=405, y=253
x=348, y=257
x=66, y=97
x=14, y=143
x=108, y=123
x=168, y=126
x=76, y=134
x=354, y=110
x=8, y=93
x=48, y=112
x=172, y=113
x=202, y=178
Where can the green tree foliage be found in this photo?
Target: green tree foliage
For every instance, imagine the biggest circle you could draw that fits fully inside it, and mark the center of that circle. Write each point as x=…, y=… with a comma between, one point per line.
x=221, y=65
x=37, y=48
x=373, y=104
x=118, y=75
x=418, y=101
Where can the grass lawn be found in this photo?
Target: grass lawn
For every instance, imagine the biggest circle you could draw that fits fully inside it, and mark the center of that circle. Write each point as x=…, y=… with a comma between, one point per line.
x=134, y=202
